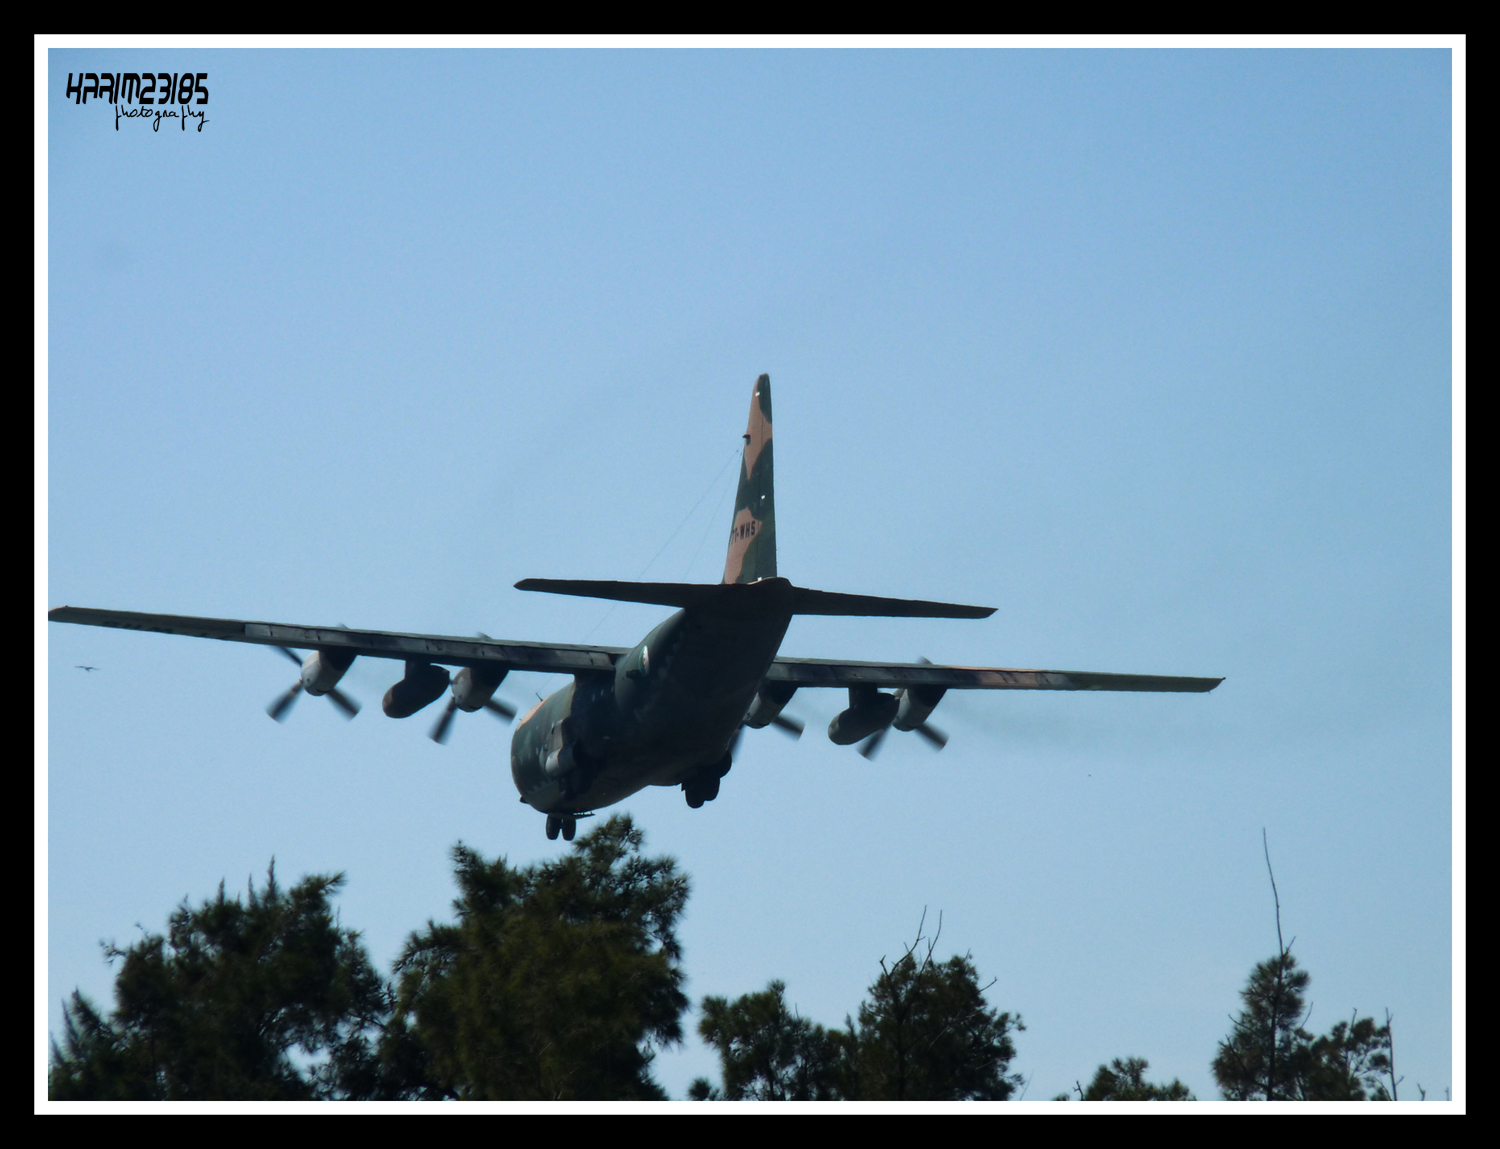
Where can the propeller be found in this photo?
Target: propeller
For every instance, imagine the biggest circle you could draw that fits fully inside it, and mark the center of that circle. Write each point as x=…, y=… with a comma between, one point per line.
x=927, y=730
x=930, y=732
x=283, y=705
x=790, y=725
x=781, y=722
x=444, y=725
x=502, y=710
x=936, y=737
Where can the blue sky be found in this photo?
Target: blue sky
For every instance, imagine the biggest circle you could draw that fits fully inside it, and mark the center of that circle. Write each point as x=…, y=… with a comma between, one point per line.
x=1151, y=350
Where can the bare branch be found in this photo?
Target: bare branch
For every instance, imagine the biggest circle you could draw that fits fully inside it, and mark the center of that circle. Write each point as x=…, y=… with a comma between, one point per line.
x=1266, y=847
x=1390, y=1053
x=1280, y=969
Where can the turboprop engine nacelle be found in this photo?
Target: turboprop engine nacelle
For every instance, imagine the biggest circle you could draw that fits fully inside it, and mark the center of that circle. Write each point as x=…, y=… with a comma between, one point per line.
x=474, y=686
x=421, y=686
x=917, y=703
x=869, y=711
x=322, y=669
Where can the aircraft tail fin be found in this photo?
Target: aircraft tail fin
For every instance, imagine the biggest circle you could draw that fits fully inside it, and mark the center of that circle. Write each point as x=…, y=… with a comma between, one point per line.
x=752, y=557
x=752, y=536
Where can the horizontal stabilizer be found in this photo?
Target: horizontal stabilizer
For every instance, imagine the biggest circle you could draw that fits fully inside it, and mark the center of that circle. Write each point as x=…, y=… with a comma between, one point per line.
x=657, y=593
x=770, y=594
x=806, y=601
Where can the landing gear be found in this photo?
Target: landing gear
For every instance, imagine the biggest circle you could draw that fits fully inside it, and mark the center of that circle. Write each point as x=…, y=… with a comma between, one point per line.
x=565, y=824
x=569, y=827
x=703, y=786
x=554, y=824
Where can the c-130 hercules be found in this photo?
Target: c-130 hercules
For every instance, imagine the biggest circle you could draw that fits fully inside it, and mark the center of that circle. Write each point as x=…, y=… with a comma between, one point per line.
x=668, y=711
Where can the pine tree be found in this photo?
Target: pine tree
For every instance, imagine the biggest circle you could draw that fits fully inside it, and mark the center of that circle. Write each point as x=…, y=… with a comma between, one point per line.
x=926, y=1033
x=766, y=1051
x=215, y=1009
x=1269, y=1056
x=556, y=982
x=1126, y=1081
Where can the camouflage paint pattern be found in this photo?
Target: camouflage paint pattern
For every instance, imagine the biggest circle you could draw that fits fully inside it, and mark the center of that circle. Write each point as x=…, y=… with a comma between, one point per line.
x=752, y=537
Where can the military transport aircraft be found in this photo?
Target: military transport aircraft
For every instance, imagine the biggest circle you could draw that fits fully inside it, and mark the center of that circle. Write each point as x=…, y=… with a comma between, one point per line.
x=668, y=711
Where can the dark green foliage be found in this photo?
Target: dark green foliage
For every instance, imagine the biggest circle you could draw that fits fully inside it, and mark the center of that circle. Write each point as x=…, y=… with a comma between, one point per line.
x=1126, y=1081
x=926, y=1034
x=702, y=1089
x=767, y=1052
x=213, y=1010
x=1269, y=1056
x=1264, y=1055
x=555, y=982
x=1351, y=1062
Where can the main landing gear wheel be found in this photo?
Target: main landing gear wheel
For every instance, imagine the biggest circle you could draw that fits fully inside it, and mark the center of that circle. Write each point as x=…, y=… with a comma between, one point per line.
x=700, y=790
x=569, y=827
x=554, y=824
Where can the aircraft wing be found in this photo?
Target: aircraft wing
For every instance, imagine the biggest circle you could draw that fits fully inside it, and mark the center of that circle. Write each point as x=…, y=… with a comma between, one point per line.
x=839, y=672
x=547, y=657
x=570, y=658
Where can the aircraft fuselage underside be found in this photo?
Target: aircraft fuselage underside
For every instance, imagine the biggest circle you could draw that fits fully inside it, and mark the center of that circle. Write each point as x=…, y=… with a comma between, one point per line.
x=668, y=711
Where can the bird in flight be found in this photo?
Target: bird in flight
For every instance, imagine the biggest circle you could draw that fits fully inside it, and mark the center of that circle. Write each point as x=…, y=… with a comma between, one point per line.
x=80, y=666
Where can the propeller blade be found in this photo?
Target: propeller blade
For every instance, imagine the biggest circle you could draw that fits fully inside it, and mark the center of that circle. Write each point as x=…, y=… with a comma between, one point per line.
x=278, y=709
x=870, y=745
x=933, y=735
x=504, y=709
x=790, y=725
x=445, y=723
x=290, y=654
x=344, y=703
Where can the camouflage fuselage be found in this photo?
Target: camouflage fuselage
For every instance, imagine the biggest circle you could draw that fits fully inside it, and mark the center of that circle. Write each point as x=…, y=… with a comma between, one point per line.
x=670, y=708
